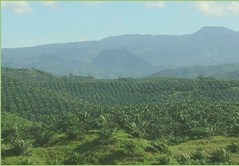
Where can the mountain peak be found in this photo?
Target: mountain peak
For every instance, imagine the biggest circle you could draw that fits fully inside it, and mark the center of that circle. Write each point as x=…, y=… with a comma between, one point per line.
x=122, y=61
x=214, y=31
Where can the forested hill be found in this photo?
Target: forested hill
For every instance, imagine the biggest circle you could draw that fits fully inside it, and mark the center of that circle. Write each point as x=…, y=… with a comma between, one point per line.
x=83, y=120
x=122, y=91
x=26, y=74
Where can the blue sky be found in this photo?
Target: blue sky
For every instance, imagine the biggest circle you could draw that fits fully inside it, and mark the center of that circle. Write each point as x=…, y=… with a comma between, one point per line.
x=30, y=23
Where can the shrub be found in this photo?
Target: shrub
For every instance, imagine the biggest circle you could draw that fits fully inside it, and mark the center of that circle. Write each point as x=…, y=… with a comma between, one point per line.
x=235, y=130
x=74, y=133
x=52, y=162
x=200, y=157
x=166, y=160
x=220, y=157
x=26, y=161
x=108, y=127
x=184, y=159
x=21, y=146
x=234, y=147
x=74, y=159
x=130, y=147
x=162, y=147
x=44, y=138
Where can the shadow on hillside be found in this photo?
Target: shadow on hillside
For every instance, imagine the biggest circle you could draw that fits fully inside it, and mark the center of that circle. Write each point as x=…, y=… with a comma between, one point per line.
x=112, y=158
x=9, y=153
x=87, y=146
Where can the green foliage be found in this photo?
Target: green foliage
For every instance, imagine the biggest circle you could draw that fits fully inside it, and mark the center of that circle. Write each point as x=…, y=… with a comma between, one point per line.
x=200, y=157
x=51, y=94
x=166, y=160
x=234, y=147
x=74, y=133
x=184, y=159
x=130, y=147
x=42, y=134
x=220, y=157
x=235, y=130
x=108, y=127
x=119, y=120
x=44, y=138
x=75, y=159
x=162, y=147
x=20, y=146
x=26, y=161
x=53, y=162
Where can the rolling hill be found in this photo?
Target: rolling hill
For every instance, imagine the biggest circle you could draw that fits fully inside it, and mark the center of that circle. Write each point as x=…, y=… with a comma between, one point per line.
x=74, y=120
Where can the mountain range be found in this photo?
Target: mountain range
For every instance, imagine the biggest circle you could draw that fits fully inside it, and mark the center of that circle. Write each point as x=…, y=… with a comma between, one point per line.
x=130, y=55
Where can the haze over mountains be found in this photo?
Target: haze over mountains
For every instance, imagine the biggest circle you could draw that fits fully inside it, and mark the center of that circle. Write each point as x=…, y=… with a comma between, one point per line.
x=132, y=55
x=230, y=71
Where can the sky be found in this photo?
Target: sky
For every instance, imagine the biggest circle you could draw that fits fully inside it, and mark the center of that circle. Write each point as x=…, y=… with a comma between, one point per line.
x=31, y=23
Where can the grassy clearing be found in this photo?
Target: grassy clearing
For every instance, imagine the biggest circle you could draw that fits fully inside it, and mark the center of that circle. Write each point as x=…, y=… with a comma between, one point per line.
x=120, y=149
x=209, y=146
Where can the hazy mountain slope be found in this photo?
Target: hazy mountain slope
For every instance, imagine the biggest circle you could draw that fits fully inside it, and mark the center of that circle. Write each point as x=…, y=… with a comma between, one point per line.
x=123, y=62
x=228, y=76
x=208, y=46
x=195, y=71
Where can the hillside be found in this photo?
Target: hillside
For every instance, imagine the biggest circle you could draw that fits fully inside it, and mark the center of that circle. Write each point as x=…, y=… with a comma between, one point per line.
x=122, y=91
x=194, y=71
x=228, y=76
x=122, y=62
x=126, y=150
x=208, y=46
x=26, y=74
x=83, y=120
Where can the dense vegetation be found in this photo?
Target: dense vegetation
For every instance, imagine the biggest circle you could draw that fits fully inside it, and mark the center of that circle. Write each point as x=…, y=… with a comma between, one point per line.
x=78, y=120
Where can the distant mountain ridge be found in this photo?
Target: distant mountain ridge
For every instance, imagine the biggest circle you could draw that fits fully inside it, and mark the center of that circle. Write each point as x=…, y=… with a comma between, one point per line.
x=208, y=46
x=195, y=71
x=228, y=76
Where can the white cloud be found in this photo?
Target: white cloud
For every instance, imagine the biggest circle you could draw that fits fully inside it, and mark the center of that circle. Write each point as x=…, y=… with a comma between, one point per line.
x=155, y=4
x=217, y=9
x=52, y=4
x=92, y=2
x=234, y=8
x=19, y=7
x=210, y=8
x=81, y=40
